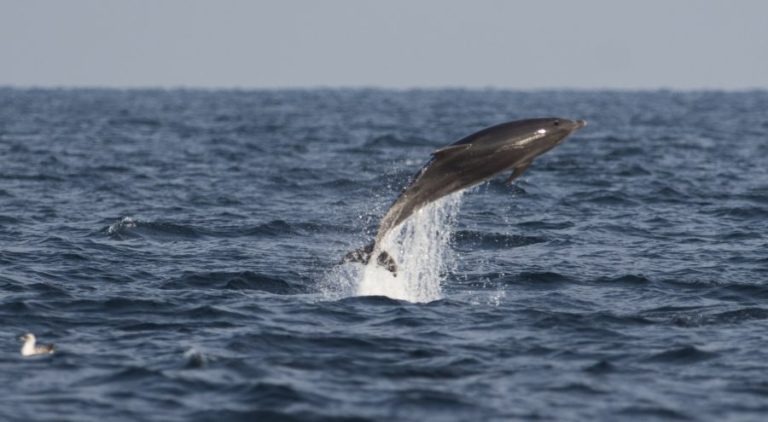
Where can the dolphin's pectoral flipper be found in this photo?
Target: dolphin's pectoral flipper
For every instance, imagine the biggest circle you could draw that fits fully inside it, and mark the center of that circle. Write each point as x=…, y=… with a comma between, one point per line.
x=385, y=260
x=362, y=255
x=518, y=170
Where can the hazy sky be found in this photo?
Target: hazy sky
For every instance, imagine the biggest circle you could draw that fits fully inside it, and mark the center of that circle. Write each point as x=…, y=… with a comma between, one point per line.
x=401, y=43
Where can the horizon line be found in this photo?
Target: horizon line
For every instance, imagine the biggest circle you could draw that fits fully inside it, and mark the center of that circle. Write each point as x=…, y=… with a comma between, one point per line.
x=371, y=87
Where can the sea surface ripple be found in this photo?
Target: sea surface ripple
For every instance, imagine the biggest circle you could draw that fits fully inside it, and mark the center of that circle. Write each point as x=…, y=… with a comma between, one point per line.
x=180, y=247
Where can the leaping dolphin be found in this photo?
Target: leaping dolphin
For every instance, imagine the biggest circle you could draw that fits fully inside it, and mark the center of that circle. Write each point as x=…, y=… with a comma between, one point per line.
x=468, y=162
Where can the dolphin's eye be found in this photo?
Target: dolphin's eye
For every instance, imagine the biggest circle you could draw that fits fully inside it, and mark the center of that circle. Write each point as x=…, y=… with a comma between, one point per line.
x=557, y=123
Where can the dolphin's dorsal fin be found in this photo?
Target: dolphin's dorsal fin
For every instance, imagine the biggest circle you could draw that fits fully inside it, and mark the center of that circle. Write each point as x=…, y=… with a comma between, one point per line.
x=450, y=149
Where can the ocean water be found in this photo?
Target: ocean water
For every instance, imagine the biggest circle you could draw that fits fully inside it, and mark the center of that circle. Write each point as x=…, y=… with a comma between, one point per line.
x=181, y=248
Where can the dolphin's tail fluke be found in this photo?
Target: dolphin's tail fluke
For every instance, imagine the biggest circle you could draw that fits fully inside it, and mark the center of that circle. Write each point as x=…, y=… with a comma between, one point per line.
x=385, y=260
x=363, y=255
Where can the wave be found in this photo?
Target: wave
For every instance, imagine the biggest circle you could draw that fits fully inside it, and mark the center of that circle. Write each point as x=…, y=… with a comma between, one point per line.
x=586, y=322
x=130, y=228
x=8, y=220
x=32, y=177
x=394, y=140
x=629, y=280
x=737, y=291
x=653, y=413
x=738, y=315
x=604, y=198
x=468, y=239
x=245, y=280
x=372, y=300
x=524, y=279
x=277, y=228
x=741, y=212
x=682, y=355
x=546, y=225
x=136, y=121
x=695, y=316
x=601, y=367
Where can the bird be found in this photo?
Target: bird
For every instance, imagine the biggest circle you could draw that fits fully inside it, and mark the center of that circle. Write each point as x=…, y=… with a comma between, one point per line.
x=31, y=349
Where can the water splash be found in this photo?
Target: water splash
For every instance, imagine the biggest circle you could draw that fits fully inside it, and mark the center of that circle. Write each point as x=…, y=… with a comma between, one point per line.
x=121, y=225
x=421, y=249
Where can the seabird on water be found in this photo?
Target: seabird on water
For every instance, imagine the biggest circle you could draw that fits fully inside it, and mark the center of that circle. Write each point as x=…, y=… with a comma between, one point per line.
x=30, y=349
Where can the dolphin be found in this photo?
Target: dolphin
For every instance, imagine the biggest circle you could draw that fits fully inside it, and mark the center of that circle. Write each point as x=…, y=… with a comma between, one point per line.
x=465, y=163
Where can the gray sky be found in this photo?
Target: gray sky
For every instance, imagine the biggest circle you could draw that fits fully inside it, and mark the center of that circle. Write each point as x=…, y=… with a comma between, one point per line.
x=395, y=43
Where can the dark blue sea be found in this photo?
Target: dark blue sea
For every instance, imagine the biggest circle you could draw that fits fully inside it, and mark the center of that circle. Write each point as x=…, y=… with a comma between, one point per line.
x=181, y=248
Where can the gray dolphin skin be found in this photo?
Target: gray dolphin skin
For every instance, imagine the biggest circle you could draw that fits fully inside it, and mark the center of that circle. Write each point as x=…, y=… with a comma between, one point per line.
x=468, y=162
